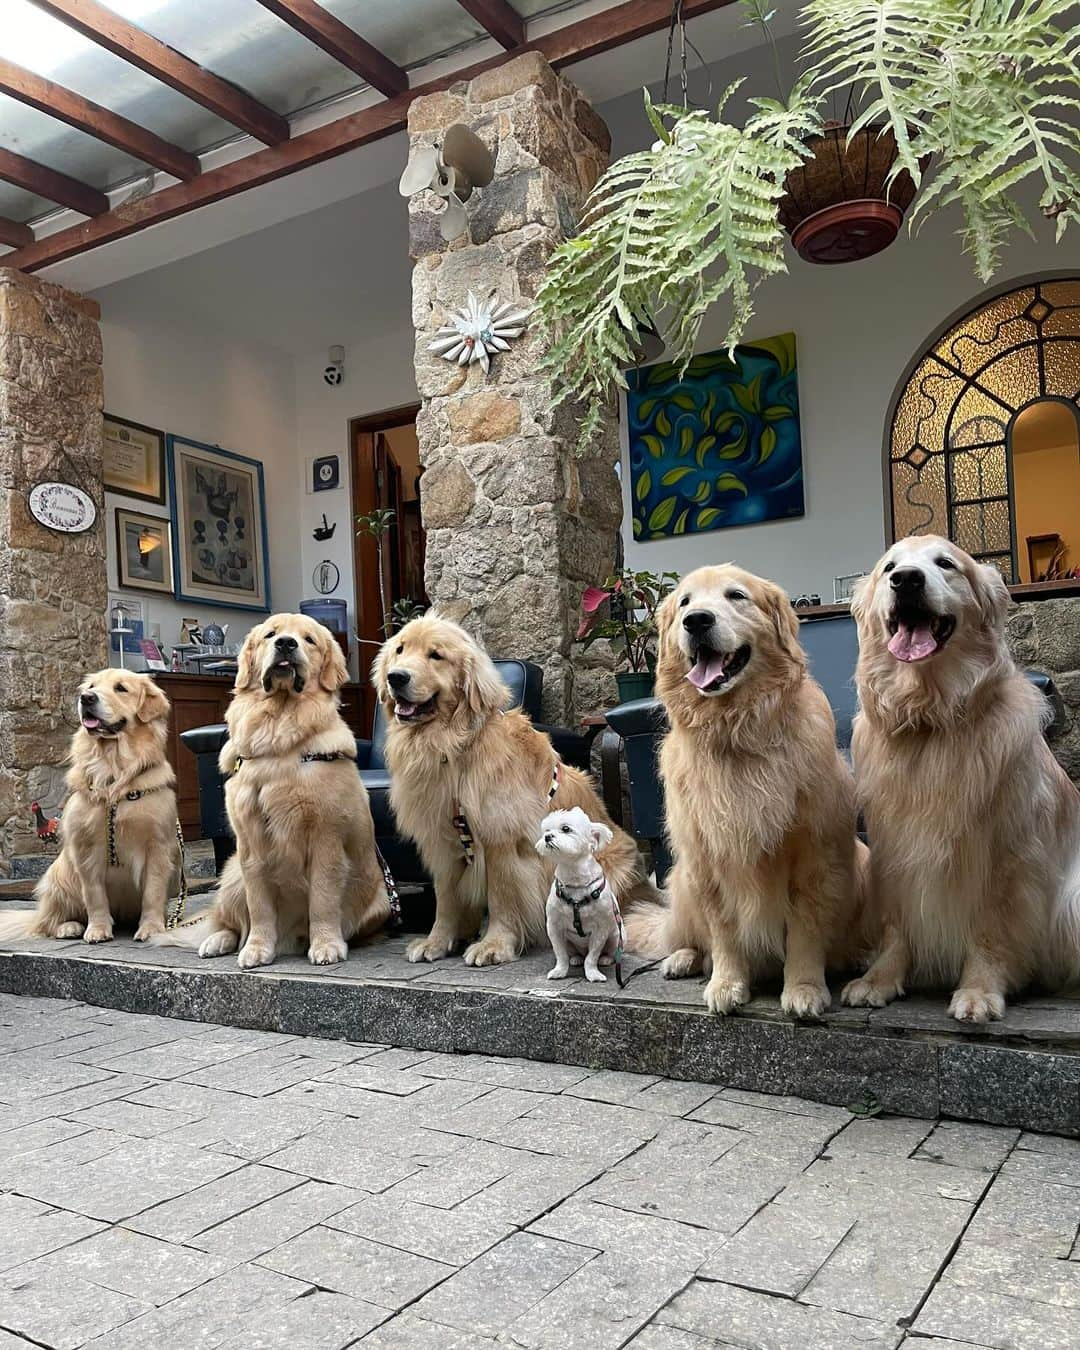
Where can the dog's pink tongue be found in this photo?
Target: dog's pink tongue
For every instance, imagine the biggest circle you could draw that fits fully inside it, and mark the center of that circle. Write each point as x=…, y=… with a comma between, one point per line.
x=707, y=669
x=912, y=644
x=90, y=723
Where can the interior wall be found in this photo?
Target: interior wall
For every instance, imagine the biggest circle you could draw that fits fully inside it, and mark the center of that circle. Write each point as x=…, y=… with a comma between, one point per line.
x=1045, y=444
x=169, y=371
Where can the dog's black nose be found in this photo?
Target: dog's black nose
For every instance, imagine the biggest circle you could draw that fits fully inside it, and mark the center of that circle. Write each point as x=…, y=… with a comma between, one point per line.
x=87, y=700
x=698, y=621
x=548, y=838
x=398, y=679
x=286, y=644
x=907, y=579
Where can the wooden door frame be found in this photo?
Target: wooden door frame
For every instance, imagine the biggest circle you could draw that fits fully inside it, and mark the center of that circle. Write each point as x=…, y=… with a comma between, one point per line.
x=362, y=466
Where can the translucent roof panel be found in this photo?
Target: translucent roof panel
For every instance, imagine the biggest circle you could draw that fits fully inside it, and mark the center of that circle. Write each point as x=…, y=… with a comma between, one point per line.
x=239, y=40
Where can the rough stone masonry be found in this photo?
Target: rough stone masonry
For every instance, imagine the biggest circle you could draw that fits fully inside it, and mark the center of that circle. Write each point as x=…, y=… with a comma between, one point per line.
x=517, y=523
x=52, y=586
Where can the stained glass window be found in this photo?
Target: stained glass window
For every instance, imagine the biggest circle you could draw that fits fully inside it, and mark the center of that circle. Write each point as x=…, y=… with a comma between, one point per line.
x=950, y=469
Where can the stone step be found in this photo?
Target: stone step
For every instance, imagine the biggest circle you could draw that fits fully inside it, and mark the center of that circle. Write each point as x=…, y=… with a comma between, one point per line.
x=909, y=1059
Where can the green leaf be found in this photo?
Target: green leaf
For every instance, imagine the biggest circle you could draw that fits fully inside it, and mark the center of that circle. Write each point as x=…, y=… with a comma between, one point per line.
x=643, y=486
x=748, y=396
x=673, y=476
x=777, y=413
x=637, y=528
x=686, y=440
x=701, y=493
x=645, y=409
x=706, y=517
x=654, y=446
x=661, y=514
x=729, y=482
x=663, y=424
x=680, y=524
x=768, y=443
x=726, y=421
x=781, y=349
x=685, y=402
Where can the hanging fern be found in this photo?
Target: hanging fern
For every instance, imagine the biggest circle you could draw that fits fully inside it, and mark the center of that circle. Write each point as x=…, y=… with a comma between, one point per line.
x=666, y=233
x=984, y=92
x=987, y=89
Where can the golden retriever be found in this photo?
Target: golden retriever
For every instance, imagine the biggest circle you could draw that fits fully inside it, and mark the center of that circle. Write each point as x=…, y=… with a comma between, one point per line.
x=455, y=754
x=305, y=871
x=118, y=768
x=974, y=826
x=760, y=804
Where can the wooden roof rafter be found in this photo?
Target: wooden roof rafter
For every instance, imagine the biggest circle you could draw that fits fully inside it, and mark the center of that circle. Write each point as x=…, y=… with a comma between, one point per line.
x=54, y=186
x=341, y=42
x=499, y=19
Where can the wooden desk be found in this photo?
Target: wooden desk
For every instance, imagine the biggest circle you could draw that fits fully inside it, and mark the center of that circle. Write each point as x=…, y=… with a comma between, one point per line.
x=200, y=701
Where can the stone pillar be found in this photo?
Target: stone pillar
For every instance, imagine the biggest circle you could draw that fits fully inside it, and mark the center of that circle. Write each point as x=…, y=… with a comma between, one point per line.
x=517, y=523
x=1045, y=634
x=52, y=586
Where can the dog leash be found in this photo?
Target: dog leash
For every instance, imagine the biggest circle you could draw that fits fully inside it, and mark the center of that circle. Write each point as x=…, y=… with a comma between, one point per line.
x=328, y=757
x=464, y=831
x=175, y=912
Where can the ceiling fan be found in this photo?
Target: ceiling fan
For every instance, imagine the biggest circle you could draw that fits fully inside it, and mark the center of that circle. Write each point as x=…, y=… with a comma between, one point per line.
x=463, y=162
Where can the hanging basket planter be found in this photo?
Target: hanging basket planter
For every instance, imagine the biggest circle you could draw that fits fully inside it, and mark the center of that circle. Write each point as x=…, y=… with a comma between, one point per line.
x=839, y=206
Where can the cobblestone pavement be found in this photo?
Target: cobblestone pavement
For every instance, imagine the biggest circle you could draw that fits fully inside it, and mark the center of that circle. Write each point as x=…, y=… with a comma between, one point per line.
x=170, y=1183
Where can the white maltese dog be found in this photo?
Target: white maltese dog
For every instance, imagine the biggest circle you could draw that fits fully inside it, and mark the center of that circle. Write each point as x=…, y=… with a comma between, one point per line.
x=583, y=919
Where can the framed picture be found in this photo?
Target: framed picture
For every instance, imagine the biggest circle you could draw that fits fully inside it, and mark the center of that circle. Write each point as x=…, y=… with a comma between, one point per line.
x=325, y=473
x=220, y=553
x=143, y=552
x=133, y=458
x=719, y=445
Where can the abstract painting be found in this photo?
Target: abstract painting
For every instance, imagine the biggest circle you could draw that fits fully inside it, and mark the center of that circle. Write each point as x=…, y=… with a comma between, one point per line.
x=219, y=526
x=719, y=445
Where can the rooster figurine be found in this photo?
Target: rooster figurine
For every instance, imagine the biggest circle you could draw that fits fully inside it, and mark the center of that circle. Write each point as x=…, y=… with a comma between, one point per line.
x=46, y=828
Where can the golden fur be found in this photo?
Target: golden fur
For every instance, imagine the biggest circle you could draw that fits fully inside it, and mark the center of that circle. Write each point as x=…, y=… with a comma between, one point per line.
x=760, y=804
x=974, y=826
x=305, y=872
x=464, y=753
x=81, y=894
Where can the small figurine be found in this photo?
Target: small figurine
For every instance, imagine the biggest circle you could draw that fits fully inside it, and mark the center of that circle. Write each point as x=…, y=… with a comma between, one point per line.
x=47, y=828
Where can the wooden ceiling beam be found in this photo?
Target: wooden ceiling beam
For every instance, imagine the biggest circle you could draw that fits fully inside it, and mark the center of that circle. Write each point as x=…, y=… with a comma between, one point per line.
x=155, y=58
x=51, y=184
x=94, y=120
x=344, y=44
x=499, y=19
x=15, y=234
x=575, y=42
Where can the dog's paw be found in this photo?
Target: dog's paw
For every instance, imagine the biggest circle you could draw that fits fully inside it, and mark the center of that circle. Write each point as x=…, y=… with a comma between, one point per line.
x=98, y=932
x=724, y=996
x=559, y=972
x=220, y=943
x=870, y=993
x=977, y=1005
x=577, y=960
x=686, y=961
x=491, y=951
x=805, y=999
x=595, y=976
x=430, y=948
x=69, y=930
x=147, y=929
x=255, y=953
x=606, y=961
x=328, y=951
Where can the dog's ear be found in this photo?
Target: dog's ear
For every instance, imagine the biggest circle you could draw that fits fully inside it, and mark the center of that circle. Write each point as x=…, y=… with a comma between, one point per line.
x=334, y=672
x=246, y=674
x=861, y=593
x=665, y=613
x=377, y=675
x=991, y=593
x=599, y=836
x=152, y=702
x=784, y=619
x=482, y=686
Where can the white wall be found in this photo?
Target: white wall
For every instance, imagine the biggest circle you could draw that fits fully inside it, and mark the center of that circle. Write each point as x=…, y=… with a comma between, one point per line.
x=170, y=371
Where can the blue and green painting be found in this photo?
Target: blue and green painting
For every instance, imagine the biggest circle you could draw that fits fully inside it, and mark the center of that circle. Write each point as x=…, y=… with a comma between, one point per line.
x=719, y=445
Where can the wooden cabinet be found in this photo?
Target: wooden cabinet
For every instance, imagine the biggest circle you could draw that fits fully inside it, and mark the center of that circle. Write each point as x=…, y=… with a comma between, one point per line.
x=200, y=701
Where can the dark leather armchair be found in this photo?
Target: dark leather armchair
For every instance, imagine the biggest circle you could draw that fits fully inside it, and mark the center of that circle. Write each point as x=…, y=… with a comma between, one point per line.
x=523, y=679
x=833, y=648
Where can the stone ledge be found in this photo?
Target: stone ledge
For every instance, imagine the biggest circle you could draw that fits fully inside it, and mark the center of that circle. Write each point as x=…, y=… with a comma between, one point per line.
x=911, y=1058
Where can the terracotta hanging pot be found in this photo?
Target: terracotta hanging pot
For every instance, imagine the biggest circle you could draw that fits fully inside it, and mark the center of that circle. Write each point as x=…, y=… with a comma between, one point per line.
x=838, y=206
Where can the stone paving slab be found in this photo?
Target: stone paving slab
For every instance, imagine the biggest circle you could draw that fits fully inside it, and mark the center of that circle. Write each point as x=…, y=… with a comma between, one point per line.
x=653, y=1036
x=627, y=1210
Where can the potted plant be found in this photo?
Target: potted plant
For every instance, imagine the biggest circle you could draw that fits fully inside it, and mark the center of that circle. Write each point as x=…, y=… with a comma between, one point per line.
x=378, y=524
x=967, y=98
x=629, y=624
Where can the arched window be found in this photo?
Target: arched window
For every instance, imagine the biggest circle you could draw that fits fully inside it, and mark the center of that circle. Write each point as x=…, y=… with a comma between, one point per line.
x=983, y=444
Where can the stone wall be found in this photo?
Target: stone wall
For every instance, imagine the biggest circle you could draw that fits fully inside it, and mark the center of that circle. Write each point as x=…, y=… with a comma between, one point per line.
x=1045, y=634
x=52, y=586
x=517, y=523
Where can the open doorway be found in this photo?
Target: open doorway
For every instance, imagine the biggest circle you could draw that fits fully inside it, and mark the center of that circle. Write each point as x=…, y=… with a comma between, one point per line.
x=386, y=477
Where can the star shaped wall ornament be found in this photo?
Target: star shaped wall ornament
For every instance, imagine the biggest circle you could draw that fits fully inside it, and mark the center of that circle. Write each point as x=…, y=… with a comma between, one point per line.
x=478, y=330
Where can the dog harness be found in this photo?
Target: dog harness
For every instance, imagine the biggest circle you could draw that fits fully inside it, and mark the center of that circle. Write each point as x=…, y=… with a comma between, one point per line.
x=595, y=891
x=176, y=910
x=328, y=757
x=465, y=834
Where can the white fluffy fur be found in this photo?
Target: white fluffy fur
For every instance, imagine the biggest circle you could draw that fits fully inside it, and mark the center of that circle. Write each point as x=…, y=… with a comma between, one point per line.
x=573, y=841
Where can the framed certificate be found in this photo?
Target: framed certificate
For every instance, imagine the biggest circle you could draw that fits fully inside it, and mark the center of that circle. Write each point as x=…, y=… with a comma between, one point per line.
x=133, y=458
